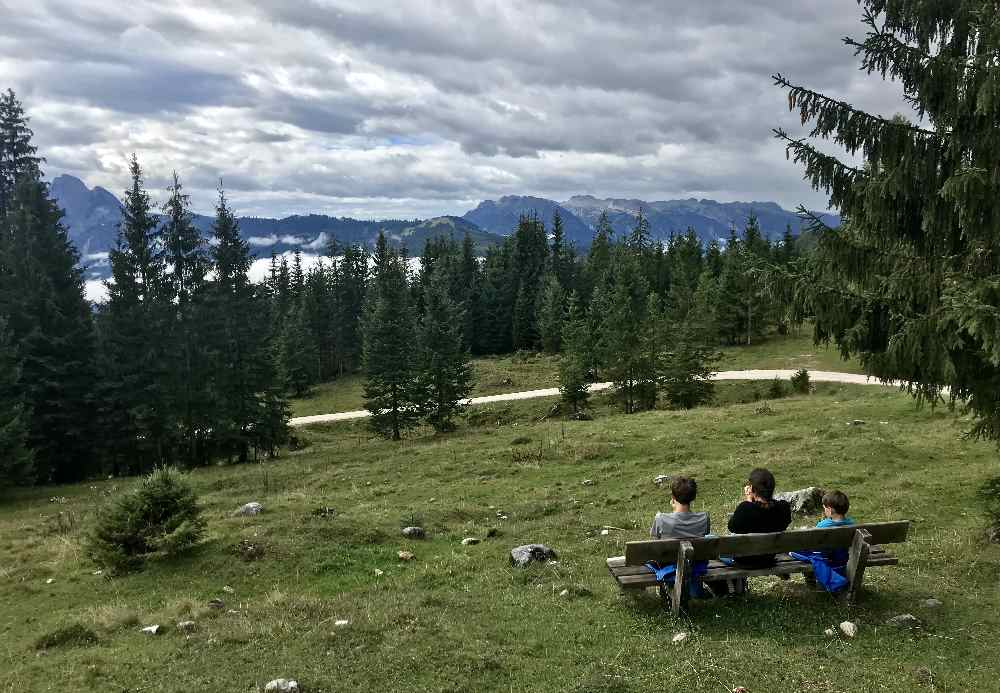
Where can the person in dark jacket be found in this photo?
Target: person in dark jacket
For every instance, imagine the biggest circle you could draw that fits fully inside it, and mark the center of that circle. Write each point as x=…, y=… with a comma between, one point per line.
x=759, y=513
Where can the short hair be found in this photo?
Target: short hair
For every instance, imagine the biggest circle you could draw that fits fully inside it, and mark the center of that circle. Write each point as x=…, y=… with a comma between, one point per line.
x=762, y=483
x=836, y=501
x=684, y=490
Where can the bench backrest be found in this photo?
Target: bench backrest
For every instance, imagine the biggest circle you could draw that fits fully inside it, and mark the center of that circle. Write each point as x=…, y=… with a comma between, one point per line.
x=706, y=548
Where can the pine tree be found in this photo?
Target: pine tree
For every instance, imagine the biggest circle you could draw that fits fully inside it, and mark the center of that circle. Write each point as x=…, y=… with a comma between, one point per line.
x=551, y=314
x=298, y=352
x=350, y=277
x=186, y=256
x=445, y=377
x=391, y=393
x=528, y=269
x=908, y=283
x=688, y=366
x=620, y=313
x=574, y=365
x=17, y=154
x=16, y=460
x=134, y=359
x=470, y=287
x=47, y=316
x=599, y=257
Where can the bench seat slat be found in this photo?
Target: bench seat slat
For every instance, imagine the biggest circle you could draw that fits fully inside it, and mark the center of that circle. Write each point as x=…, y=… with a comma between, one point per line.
x=664, y=550
x=635, y=577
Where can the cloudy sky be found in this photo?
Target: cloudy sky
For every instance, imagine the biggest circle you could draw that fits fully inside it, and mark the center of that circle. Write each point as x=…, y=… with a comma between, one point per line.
x=407, y=108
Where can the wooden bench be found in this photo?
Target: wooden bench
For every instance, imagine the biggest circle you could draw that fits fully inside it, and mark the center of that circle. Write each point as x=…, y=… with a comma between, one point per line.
x=863, y=541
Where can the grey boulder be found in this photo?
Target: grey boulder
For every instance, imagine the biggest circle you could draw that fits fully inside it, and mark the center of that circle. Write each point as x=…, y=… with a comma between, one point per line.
x=414, y=532
x=249, y=509
x=523, y=556
x=282, y=686
x=805, y=501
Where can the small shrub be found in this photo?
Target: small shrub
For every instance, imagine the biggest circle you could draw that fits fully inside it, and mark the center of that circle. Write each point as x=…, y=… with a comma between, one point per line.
x=159, y=518
x=989, y=496
x=777, y=389
x=73, y=635
x=250, y=550
x=520, y=440
x=800, y=381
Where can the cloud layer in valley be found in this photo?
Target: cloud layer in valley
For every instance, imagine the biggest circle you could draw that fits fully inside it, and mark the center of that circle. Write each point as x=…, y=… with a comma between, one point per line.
x=408, y=108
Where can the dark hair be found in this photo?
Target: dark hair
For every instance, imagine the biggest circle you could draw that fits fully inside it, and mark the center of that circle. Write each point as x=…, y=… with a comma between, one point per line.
x=762, y=483
x=684, y=490
x=836, y=501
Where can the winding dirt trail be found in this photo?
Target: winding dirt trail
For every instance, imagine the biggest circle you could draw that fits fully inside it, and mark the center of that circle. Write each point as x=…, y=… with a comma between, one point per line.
x=814, y=376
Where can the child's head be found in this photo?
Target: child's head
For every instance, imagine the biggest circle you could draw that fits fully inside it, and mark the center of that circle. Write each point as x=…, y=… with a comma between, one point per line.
x=761, y=482
x=835, y=503
x=684, y=490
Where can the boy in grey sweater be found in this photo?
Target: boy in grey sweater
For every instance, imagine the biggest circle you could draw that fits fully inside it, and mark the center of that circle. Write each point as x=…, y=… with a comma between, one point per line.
x=682, y=523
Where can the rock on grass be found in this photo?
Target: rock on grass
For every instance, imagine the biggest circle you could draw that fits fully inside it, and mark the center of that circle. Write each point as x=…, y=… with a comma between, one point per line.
x=522, y=556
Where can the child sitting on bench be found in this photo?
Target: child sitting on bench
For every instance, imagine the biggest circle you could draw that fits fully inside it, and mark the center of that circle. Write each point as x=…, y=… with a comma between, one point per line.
x=835, y=507
x=682, y=523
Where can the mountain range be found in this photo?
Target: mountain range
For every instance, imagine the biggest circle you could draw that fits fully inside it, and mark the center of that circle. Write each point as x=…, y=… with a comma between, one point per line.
x=92, y=217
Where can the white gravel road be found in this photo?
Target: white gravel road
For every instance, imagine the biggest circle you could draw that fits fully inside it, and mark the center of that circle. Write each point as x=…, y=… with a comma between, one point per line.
x=814, y=376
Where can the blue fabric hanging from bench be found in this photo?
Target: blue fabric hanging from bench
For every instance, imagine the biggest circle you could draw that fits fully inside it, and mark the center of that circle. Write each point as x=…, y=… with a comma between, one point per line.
x=668, y=572
x=829, y=577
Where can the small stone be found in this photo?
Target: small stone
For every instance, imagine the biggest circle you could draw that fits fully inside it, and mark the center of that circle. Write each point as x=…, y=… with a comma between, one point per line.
x=414, y=532
x=228, y=590
x=216, y=604
x=248, y=509
x=378, y=573
x=523, y=556
x=829, y=632
x=282, y=686
x=661, y=479
x=564, y=593
x=588, y=482
x=152, y=630
x=469, y=541
x=904, y=621
x=98, y=572
x=50, y=581
x=856, y=422
x=849, y=629
x=186, y=626
x=679, y=638
x=932, y=603
x=605, y=532
x=405, y=555
x=340, y=623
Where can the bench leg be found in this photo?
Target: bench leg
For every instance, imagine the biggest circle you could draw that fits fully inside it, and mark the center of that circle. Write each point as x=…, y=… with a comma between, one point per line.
x=682, y=576
x=856, y=563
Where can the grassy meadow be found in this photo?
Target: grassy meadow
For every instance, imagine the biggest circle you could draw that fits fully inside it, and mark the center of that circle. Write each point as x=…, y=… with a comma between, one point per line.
x=460, y=618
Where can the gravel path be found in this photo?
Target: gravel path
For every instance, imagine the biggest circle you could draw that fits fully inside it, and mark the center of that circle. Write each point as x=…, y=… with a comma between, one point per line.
x=814, y=376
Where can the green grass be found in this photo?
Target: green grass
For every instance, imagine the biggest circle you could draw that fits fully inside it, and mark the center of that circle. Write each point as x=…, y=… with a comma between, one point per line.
x=529, y=371
x=460, y=618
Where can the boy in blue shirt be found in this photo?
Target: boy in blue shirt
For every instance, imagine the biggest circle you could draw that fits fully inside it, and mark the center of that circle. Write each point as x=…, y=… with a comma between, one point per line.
x=835, y=507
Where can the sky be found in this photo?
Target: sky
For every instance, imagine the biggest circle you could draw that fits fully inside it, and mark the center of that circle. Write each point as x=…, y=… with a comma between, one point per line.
x=416, y=108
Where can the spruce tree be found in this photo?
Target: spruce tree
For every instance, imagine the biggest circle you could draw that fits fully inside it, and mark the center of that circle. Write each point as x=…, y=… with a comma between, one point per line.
x=389, y=359
x=135, y=378
x=298, y=352
x=186, y=256
x=445, y=374
x=908, y=283
x=16, y=460
x=17, y=153
x=42, y=302
x=551, y=314
x=575, y=363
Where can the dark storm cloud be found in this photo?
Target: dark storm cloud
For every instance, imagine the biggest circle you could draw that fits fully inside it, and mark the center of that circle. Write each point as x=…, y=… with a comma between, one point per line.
x=348, y=105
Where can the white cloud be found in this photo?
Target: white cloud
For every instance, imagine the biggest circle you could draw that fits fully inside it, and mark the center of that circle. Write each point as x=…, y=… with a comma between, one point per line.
x=375, y=108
